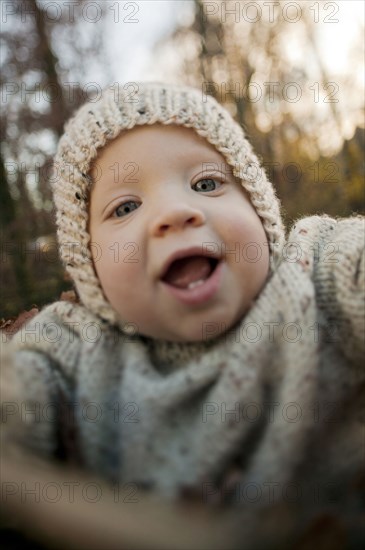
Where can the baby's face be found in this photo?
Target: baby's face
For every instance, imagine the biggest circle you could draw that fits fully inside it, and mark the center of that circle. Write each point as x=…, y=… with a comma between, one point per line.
x=163, y=200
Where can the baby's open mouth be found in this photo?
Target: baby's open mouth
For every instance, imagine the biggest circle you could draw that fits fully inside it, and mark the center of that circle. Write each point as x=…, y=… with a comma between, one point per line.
x=190, y=272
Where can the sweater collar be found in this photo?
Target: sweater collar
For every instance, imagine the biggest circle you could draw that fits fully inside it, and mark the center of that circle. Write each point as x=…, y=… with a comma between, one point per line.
x=169, y=356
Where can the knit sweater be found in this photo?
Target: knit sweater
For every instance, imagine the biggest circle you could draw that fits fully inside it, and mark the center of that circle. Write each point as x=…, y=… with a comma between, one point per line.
x=272, y=409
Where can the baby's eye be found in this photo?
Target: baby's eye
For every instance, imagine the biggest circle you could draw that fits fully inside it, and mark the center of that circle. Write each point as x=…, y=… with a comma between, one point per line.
x=206, y=184
x=125, y=208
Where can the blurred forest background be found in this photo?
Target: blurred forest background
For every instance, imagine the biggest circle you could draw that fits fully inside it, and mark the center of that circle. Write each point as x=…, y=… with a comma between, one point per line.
x=305, y=125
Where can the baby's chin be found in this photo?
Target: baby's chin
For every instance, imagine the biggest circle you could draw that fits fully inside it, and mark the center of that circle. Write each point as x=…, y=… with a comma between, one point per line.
x=193, y=328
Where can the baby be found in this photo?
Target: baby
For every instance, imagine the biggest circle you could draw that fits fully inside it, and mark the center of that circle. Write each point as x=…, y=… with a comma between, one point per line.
x=208, y=352
x=180, y=226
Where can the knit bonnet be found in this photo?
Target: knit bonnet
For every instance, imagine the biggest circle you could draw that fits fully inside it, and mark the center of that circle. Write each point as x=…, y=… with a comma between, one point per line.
x=120, y=108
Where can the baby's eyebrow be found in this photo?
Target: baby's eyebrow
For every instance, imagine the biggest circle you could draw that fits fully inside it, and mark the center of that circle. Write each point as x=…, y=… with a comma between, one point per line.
x=218, y=166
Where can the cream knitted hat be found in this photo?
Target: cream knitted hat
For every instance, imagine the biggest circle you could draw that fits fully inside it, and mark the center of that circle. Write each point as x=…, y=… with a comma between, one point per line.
x=122, y=108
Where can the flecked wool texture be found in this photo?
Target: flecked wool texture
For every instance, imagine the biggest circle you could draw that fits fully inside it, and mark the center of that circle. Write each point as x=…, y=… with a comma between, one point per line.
x=274, y=409
x=120, y=109
x=276, y=404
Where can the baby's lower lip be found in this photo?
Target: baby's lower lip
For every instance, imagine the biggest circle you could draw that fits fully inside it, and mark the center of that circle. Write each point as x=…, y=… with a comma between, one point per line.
x=201, y=293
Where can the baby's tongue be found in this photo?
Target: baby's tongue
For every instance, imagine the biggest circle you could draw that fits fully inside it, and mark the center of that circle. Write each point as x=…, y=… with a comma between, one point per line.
x=186, y=270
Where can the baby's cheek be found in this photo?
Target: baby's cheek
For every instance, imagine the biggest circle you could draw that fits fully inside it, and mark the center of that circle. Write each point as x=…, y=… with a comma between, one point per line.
x=115, y=277
x=118, y=266
x=247, y=234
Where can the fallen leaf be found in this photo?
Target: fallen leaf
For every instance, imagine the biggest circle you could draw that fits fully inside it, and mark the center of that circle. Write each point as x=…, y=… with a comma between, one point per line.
x=11, y=326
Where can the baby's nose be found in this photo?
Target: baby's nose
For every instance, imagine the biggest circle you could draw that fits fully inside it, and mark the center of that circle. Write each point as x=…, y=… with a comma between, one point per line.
x=176, y=217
